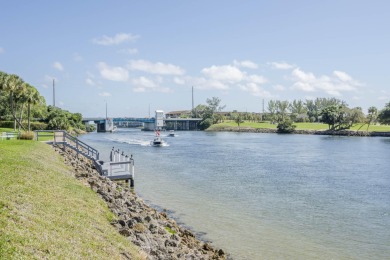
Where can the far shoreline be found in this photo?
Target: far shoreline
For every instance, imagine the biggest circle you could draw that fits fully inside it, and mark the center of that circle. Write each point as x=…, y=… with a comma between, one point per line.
x=307, y=132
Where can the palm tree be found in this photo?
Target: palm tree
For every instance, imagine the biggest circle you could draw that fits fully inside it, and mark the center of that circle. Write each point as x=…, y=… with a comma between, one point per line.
x=13, y=84
x=20, y=98
x=32, y=98
x=272, y=110
x=282, y=108
x=372, y=115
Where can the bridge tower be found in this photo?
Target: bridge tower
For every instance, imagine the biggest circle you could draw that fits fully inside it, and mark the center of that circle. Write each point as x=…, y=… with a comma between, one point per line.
x=159, y=119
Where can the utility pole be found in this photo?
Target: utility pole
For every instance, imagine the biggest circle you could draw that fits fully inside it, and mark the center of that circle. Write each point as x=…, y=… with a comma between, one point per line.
x=54, y=95
x=192, y=97
x=106, y=110
x=263, y=111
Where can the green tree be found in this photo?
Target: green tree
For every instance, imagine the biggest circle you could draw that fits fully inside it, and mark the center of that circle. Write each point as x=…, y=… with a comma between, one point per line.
x=282, y=109
x=340, y=117
x=205, y=123
x=238, y=118
x=298, y=110
x=330, y=115
x=214, y=106
x=32, y=98
x=286, y=126
x=208, y=112
x=13, y=85
x=199, y=111
x=57, y=119
x=384, y=115
x=315, y=107
x=312, y=110
x=272, y=108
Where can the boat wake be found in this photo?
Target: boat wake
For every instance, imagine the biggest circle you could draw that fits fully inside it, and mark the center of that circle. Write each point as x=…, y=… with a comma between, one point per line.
x=130, y=141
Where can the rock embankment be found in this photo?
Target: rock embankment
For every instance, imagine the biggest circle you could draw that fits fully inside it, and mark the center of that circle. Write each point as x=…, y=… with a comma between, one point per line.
x=308, y=132
x=158, y=236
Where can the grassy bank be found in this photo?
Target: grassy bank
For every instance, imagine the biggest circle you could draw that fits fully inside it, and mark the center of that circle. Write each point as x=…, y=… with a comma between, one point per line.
x=46, y=213
x=300, y=126
x=43, y=136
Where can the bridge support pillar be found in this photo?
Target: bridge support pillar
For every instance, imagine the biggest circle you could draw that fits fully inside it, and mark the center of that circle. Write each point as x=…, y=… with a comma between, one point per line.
x=149, y=126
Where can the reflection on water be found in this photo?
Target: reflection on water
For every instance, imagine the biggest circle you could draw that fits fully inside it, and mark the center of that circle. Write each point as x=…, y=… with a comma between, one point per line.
x=268, y=195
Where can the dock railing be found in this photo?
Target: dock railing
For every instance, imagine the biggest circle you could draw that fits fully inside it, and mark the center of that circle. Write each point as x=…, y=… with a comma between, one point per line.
x=67, y=140
x=120, y=166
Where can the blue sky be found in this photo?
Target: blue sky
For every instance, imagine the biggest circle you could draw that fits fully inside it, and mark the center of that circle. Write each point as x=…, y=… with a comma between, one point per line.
x=141, y=54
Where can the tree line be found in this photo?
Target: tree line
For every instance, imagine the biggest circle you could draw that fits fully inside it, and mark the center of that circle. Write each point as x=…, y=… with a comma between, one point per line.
x=332, y=111
x=20, y=101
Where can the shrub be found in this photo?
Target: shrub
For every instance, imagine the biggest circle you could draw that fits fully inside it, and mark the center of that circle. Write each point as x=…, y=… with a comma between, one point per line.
x=33, y=125
x=286, y=127
x=26, y=135
x=205, y=123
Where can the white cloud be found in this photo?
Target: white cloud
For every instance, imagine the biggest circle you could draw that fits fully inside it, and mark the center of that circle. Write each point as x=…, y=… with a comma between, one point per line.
x=333, y=85
x=131, y=51
x=105, y=94
x=279, y=87
x=255, y=90
x=112, y=73
x=211, y=84
x=1, y=50
x=143, y=84
x=281, y=65
x=116, y=39
x=256, y=79
x=179, y=81
x=155, y=68
x=205, y=83
x=224, y=77
x=225, y=73
x=342, y=75
x=139, y=89
x=246, y=64
x=57, y=65
x=90, y=82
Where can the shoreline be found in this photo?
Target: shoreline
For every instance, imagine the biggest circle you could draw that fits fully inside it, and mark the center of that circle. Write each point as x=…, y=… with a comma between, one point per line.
x=307, y=132
x=157, y=235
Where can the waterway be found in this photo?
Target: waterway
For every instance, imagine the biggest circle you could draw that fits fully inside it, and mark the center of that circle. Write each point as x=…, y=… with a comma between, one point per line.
x=268, y=196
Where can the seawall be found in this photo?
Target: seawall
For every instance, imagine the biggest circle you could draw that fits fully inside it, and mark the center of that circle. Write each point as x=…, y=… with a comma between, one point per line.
x=158, y=236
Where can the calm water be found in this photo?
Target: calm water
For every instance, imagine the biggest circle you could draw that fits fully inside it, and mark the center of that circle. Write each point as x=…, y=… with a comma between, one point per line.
x=266, y=195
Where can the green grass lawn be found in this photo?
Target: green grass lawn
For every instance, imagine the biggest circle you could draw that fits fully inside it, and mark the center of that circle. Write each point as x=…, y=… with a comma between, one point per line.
x=42, y=137
x=6, y=130
x=45, y=213
x=372, y=128
x=300, y=126
x=242, y=125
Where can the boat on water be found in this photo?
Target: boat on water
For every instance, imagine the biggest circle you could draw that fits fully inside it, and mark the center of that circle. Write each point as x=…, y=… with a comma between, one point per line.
x=157, y=141
x=171, y=133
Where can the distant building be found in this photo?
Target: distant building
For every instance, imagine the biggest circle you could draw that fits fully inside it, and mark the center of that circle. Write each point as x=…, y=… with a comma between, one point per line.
x=178, y=114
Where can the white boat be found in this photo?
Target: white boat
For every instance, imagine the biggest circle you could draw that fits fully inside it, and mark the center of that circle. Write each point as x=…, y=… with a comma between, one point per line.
x=157, y=141
x=171, y=133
